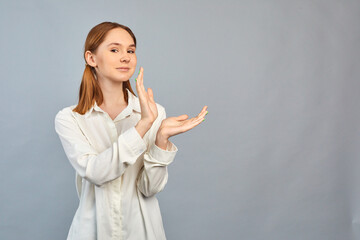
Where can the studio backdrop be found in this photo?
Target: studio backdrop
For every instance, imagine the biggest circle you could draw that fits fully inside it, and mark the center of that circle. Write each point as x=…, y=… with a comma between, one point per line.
x=278, y=154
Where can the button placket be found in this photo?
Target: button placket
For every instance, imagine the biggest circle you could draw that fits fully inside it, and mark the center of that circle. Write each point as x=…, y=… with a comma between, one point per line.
x=117, y=209
x=116, y=185
x=112, y=126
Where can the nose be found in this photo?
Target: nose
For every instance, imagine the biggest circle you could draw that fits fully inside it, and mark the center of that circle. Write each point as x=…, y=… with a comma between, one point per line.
x=125, y=58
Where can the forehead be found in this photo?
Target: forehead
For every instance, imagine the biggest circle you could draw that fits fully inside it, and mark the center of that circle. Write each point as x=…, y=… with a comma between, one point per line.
x=118, y=35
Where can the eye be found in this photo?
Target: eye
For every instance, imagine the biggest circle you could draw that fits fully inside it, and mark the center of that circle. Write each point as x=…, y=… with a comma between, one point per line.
x=132, y=51
x=113, y=49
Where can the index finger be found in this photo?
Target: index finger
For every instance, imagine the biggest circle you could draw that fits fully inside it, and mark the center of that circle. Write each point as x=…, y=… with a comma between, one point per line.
x=203, y=112
x=139, y=82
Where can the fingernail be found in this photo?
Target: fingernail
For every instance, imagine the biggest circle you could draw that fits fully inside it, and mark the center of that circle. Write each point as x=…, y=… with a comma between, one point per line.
x=207, y=112
x=135, y=79
x=204, y=119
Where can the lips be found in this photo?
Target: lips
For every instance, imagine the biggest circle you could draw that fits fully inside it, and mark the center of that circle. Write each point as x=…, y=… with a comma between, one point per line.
x=123, y=69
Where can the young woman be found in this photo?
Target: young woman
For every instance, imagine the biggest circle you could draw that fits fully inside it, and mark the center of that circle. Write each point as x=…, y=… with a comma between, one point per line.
x=118, y=143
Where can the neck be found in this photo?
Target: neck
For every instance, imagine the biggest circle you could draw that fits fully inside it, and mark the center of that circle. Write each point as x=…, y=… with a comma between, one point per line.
x=113, y=94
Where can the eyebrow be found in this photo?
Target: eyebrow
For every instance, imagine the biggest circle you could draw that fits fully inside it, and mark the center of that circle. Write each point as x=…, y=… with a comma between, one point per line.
x=115, y=43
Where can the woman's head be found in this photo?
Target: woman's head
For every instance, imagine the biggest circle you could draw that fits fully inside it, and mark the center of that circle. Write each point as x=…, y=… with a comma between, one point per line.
x=103, y=59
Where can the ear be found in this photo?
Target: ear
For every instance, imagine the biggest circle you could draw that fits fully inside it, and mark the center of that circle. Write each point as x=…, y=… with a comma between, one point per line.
x=90, y=58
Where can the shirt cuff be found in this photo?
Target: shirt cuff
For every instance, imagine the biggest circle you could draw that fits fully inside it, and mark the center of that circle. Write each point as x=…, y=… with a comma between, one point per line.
x=134, y=141
x=161, y=156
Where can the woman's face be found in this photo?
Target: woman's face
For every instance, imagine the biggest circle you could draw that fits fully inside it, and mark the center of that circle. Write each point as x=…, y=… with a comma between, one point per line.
x=115, y=52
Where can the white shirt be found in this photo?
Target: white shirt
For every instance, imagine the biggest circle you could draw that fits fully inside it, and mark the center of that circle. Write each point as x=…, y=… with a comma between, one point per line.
x=118, y=173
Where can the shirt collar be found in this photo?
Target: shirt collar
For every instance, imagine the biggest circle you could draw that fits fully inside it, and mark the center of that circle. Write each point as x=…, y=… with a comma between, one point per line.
x=133, y=105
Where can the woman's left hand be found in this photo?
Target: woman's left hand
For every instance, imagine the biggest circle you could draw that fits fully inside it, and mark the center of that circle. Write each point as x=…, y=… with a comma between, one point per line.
x=172, y=126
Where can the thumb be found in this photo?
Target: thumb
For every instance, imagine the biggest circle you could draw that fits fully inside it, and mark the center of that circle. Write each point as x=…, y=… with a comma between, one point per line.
x=182, y=117
x=151, y=95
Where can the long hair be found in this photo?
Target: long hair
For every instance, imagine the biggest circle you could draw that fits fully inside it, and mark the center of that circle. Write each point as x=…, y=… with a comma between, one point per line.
x=90, y=90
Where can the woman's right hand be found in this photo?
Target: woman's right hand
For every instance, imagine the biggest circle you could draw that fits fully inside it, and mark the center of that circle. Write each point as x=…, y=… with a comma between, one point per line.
x=147, y=104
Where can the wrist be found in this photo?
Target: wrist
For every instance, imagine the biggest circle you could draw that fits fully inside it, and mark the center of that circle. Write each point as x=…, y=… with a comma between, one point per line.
x=161, y=141
x=161, y=135
x=145, y=124
x=142, y=127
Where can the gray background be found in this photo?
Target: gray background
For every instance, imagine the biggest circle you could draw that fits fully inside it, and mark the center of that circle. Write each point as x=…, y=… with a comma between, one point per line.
x=278, y=154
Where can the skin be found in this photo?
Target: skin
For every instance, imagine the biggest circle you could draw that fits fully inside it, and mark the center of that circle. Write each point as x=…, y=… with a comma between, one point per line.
x=105, y=60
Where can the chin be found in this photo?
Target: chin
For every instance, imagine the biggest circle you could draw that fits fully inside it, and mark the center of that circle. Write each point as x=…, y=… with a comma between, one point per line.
x=118, y=79
x=122, y=77
x=122, y=80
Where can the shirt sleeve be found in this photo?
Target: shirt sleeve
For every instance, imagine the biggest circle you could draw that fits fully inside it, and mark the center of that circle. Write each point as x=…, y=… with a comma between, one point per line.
x=97, y=168
x=153, y=175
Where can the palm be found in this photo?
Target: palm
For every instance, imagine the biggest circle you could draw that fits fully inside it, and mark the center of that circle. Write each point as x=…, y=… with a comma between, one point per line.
x=172, y=126
x=147, y=104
